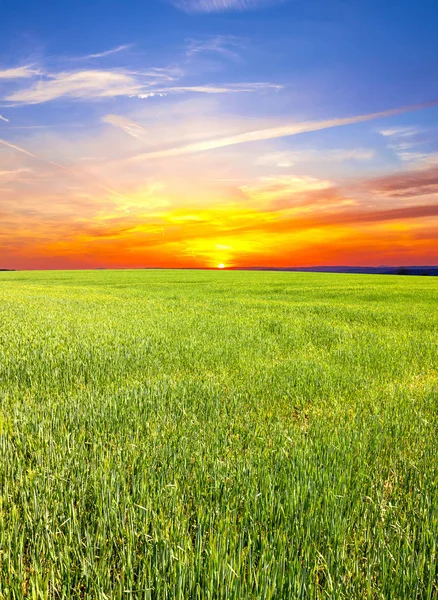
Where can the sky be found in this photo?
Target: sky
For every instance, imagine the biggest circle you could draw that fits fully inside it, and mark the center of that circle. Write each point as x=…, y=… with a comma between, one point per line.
x=193, y=133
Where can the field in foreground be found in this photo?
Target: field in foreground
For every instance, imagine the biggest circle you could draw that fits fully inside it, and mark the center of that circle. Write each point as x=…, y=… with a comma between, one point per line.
x=218, y=435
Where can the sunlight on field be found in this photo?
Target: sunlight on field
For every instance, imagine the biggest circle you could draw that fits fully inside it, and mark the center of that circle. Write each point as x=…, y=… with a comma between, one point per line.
x=179, y=434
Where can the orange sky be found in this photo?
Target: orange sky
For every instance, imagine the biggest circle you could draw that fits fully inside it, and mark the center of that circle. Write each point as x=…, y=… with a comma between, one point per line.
x=325, y=228
x=107, y=198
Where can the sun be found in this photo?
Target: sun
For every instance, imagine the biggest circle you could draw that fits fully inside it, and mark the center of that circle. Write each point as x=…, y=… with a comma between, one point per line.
x=221, y=266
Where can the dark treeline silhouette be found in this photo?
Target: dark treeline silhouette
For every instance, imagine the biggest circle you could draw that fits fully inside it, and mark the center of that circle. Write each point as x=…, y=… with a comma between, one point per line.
x=383, y=270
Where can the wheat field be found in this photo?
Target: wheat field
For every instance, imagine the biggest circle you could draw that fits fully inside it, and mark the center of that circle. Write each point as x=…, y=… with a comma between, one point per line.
x=218, y=435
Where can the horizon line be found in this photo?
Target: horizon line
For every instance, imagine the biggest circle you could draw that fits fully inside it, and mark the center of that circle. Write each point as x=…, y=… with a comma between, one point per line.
x=248, y=268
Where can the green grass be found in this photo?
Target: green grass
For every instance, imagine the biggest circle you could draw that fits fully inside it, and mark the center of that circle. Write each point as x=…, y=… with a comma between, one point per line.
x=218, y=435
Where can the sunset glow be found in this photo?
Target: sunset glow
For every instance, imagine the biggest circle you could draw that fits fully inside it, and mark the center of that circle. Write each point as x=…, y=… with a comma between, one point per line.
x=193, y=141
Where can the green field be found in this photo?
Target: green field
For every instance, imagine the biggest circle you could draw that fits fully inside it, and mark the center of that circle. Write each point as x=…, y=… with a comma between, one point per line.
x=218, y=435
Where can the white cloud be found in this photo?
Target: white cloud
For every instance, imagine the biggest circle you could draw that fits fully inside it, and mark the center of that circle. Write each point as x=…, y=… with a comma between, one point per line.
x=290, y=158
x=2, y=118
x=23, y=72
x=419, y=160
x=107, y=52
x=399, y=132
x=400, y=139
x=149, y=95
x=408, y=145
x=126, y=125
x=209, y=6
x=78, y=84
x=107, y=83
x=286, y=130
x=227, y=88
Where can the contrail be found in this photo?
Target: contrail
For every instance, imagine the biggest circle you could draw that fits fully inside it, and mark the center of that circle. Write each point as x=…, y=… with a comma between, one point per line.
x=276, y=132
x=62, y=167
x=23, y=151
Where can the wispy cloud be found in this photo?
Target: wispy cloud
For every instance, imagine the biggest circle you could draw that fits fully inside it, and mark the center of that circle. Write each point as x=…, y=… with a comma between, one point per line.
x=32, y=155
x=36, y=126
x=334, y=218
x=78, y=84
x=406, y=184
x=12, y=174
x=225, y=45
x=401, y=139
x=71, y=171
x=287, y=159
x=211, y=6
x=107, y=52
x=2, y=118
x=272, y=188
x=275, y=132
x=126, y=125
x=23, y=72
x=174, y=123
x=145, y=96
x=414, y=147
x=424, y=160
x=227, y=88
x=399, y=131
x=108, y=83
x=406, y=212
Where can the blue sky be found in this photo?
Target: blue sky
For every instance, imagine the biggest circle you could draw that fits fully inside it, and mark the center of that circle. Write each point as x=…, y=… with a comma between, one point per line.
x=126, y=113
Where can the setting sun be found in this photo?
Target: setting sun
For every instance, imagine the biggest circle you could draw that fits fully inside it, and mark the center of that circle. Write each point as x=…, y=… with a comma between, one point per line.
x=221, y=266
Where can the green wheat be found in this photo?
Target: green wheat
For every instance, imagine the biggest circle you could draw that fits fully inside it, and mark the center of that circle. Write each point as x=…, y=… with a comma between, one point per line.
x=218, y=435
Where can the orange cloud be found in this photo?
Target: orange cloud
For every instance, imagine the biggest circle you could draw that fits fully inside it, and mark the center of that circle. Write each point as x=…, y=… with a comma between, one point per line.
x=420, y=182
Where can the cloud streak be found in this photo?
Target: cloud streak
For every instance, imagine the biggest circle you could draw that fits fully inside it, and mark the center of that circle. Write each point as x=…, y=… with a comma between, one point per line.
x=272, y=188
x=78, y=84
x=224, y=45
x=406, y=184
x=276, y=132
x=68, y=170
x=287, y=159
x=23, y=72
x=338, y=219
x=12, y=174
x=126, y=125
x=34, y=156
x=105, y=53
x=227, y=88
x=110, y=83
